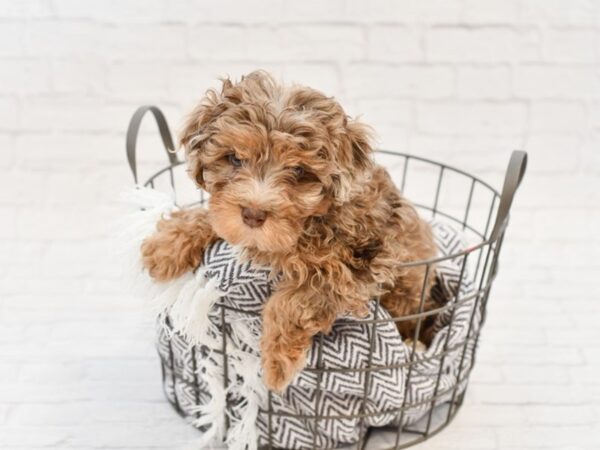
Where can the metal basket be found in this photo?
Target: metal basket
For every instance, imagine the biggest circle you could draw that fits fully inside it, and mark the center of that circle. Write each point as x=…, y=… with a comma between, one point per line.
x=481, y=212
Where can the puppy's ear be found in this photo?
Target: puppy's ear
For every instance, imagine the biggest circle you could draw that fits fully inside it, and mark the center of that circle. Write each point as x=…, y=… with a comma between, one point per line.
x=355, y=157
x=359, y=138
x=197, y=130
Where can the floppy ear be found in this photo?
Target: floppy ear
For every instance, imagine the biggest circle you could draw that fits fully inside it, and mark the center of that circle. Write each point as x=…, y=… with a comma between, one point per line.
x=199, y=126
x=354, y=158
x=360, y=137
x=197, y=129
x=347, y=143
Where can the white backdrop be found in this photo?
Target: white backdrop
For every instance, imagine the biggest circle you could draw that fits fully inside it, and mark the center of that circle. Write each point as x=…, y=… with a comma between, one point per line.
x=462, y=81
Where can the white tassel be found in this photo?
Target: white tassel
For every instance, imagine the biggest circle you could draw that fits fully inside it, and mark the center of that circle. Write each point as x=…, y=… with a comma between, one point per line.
x=188, y=300
x=130, y=232
x=190, y=310
x=212, y=413
x=164, y=295
x=243, y=435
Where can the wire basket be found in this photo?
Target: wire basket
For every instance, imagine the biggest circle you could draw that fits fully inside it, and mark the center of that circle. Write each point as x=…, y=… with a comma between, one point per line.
x=438, y=191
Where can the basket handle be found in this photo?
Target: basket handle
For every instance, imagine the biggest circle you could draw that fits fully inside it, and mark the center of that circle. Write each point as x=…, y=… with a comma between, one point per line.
x=514, y=175
x=133, y=131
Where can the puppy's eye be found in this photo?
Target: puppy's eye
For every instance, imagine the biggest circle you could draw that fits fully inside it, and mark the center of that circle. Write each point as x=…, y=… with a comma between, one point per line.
x=235, y=161
x=298, y=171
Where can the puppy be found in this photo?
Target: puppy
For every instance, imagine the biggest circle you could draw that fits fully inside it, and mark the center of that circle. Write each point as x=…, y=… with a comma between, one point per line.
x=293, y=183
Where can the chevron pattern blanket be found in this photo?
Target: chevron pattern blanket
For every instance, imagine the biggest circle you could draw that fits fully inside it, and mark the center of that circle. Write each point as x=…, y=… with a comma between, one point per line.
x=218, y=308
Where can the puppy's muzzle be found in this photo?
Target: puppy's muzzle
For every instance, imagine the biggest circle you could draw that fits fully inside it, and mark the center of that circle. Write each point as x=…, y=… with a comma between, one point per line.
x=254, y=218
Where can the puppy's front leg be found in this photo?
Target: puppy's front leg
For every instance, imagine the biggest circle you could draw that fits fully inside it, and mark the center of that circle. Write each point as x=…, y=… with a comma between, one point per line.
x=291, y=318
x=178, y=244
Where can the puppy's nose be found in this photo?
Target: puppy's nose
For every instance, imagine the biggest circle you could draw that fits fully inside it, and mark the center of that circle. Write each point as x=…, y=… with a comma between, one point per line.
x=253, y=217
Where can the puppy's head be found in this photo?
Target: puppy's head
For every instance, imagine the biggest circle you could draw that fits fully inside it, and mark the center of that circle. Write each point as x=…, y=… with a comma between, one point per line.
x=271, y=157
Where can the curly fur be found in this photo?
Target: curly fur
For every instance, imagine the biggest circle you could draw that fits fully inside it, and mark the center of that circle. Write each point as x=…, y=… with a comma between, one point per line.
x=336, y=228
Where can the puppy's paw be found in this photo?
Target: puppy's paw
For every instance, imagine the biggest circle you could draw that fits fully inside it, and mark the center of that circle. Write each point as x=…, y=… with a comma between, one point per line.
x=279, y=372
x=162, y=260
x=419, y=348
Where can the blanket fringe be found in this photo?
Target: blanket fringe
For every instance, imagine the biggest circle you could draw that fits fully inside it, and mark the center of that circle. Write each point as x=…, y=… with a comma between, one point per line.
x=188, y=301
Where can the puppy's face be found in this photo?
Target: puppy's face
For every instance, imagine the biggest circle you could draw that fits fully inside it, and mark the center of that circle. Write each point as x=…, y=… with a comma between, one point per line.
x=263, y=187
x=271, y=158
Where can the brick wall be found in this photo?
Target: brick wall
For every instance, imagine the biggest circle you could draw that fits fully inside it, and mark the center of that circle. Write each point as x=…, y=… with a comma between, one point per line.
x=463, y=81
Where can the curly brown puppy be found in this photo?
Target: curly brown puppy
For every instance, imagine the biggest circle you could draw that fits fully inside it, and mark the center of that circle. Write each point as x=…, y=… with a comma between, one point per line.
x=293, y=183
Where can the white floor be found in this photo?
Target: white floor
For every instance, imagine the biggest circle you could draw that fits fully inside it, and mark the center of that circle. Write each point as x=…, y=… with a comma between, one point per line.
x=78, y=369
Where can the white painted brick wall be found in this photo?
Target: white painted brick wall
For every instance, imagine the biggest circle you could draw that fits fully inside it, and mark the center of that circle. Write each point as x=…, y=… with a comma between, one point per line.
x=464, y=81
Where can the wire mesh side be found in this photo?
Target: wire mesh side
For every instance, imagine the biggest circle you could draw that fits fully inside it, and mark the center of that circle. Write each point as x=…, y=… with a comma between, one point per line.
x=478, y=264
